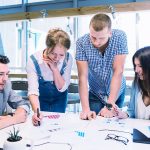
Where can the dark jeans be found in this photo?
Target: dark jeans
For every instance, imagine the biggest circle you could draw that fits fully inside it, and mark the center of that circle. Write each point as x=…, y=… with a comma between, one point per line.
x=50, y=98
x=56, y=106
x=96, y=104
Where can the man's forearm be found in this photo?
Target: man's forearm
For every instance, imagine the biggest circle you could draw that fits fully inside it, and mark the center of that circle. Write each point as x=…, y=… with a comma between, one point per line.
x=83, y=91
x=5, y=122
x=115, y=88
x=19, y=116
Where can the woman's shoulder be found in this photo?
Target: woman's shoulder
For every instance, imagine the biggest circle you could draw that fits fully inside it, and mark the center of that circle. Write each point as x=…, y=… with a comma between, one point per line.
x=134, y=90
x=38, y=56
x=69, y=56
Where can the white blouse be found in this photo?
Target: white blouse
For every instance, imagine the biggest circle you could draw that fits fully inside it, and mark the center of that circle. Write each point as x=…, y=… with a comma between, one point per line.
x=143, y=112
x=46, y=73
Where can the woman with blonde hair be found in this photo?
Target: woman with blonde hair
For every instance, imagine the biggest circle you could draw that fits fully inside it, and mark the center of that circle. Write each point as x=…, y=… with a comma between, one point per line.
x=49, y=73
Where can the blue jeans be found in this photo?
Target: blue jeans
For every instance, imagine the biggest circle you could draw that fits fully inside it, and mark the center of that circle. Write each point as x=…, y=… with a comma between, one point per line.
x=96, y=104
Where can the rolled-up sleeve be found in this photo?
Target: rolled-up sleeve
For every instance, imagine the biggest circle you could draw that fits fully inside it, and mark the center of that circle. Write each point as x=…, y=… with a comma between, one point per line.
x=16, y=101
x=33, y=85
x=80, y=51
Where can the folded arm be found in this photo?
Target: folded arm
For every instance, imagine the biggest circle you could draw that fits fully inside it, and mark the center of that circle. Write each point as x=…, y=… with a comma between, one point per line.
x=19, y=116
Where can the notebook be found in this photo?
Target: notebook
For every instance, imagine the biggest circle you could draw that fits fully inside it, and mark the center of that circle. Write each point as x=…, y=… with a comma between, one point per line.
x=139, y=137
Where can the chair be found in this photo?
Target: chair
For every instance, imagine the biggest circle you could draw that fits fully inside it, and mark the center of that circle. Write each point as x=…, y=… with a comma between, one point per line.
x=21, y=88
x=73, y=96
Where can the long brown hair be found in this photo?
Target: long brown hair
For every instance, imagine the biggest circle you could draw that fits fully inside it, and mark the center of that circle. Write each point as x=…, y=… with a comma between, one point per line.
x=143, y=55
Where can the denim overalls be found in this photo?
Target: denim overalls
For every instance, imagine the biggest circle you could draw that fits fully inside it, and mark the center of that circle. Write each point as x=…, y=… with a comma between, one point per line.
x=50, y=98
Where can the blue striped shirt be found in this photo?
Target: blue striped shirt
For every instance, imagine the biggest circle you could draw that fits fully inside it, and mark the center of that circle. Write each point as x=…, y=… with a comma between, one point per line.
x=100, y=66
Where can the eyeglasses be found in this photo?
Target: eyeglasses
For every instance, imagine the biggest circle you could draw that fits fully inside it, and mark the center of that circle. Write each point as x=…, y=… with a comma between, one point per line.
x=122, y=139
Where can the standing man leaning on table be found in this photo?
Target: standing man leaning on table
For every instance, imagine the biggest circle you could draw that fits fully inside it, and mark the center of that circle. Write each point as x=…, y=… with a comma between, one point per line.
x=49, y=73
x=9, y=97
x=100, y=57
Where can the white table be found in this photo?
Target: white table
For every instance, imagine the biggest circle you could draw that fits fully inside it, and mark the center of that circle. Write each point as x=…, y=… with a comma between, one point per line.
x=68, y=132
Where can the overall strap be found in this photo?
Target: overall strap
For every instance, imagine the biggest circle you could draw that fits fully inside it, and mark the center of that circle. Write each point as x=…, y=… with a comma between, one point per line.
x=64, y=63
x=36, y=65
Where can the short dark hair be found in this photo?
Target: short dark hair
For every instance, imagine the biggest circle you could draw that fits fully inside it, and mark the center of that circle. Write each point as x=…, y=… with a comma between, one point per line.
x=4, y=59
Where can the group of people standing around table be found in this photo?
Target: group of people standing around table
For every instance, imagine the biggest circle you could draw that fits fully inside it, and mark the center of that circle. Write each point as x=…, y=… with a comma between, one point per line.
x=100, y=58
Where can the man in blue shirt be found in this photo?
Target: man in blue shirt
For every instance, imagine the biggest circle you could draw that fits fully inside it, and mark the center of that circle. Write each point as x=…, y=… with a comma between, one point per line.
x=100, y=57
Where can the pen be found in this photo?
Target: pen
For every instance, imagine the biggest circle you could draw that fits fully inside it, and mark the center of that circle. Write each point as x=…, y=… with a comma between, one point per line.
x=38, y=115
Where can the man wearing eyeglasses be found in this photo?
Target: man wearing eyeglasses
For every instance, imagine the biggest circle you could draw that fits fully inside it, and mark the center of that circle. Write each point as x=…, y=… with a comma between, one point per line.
x=9, y=98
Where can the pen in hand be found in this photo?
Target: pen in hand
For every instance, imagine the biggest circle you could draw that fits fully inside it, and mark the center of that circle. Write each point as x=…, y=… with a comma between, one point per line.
x=38, y=115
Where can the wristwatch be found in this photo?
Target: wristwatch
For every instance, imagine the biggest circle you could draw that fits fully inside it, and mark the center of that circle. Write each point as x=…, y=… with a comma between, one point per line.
x=10, y=114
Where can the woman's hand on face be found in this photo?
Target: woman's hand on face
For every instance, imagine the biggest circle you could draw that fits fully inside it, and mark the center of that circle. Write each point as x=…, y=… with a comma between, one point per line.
x=51, y=63
x=47, y=59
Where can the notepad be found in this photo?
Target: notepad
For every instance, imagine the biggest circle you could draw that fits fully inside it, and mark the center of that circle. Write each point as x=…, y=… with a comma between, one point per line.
x=139, y=137
x=145, y=130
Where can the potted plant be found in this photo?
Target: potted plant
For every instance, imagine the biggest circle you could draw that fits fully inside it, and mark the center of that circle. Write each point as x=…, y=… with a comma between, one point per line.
x=14, y=135
x=16, y=142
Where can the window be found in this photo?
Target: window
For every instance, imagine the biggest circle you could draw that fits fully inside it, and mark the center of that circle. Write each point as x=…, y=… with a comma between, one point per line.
x=10, y=2
x=20, y=39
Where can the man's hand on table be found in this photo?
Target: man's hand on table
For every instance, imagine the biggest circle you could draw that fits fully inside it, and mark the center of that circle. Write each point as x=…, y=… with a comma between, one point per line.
x=108, y=113
x=87, y=115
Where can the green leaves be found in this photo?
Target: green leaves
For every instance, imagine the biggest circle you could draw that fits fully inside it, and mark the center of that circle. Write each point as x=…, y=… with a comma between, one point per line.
x=14, y=135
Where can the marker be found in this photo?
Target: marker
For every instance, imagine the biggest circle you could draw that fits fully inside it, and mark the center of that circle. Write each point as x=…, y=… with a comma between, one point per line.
x=38, y=115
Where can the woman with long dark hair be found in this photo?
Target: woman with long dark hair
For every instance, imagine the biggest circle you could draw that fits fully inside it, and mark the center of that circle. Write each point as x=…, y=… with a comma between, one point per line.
x=139, y=106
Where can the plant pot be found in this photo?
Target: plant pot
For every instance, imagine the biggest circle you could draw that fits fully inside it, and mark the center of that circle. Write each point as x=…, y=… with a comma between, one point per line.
x=23, y=144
